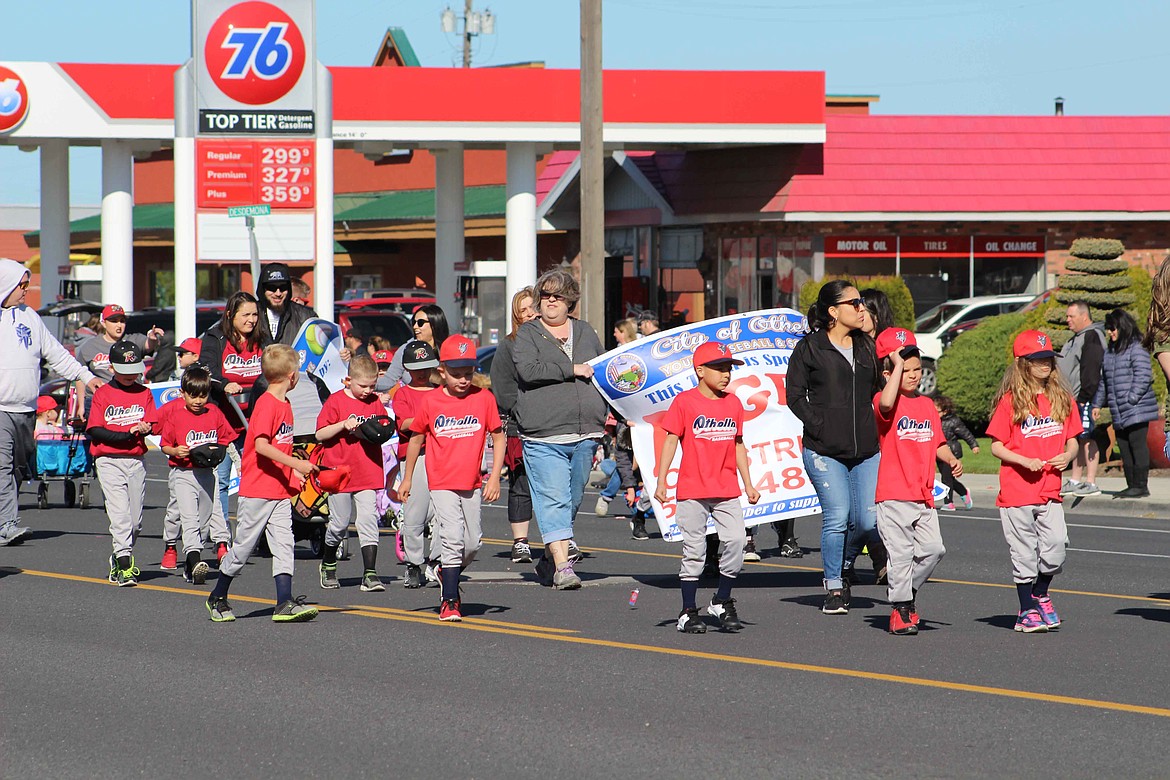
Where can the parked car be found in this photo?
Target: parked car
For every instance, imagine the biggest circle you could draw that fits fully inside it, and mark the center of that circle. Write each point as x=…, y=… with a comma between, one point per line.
x=955, y=330
x=388, y=292
x=931, y=328
x=484, y=357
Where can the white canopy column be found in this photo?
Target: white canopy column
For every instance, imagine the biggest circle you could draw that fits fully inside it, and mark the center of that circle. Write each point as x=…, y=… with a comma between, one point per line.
x=449, y=241
x=117, y=223
x=54, y=216
x=520, y=222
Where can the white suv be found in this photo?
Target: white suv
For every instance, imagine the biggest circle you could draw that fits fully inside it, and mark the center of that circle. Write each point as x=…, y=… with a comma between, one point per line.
x=931, y=326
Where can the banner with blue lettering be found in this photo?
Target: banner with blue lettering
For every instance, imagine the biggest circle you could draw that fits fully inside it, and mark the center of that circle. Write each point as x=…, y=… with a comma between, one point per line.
x=640, y=379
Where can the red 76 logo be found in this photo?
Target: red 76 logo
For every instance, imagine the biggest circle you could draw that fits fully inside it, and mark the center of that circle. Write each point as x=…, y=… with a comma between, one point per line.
x=263, y=51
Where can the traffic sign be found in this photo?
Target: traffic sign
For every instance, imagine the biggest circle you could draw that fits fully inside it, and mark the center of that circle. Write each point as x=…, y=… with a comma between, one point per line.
x=250, y=211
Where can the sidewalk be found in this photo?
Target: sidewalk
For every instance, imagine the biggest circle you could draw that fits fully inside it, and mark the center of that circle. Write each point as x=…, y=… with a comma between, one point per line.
x=984, y=488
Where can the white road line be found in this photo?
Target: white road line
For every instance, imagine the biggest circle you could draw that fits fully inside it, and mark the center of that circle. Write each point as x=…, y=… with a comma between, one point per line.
x=1118, y=552
x=955, y=516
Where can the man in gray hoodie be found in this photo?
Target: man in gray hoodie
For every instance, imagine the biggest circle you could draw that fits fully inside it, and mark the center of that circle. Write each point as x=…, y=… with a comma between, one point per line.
x=26, y=343
x=1080, y=361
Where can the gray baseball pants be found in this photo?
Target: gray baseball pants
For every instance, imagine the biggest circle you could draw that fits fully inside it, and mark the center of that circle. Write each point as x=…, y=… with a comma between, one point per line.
x=256, y=516
x=913, y=540
x=415, y=514
x=16, y=439
x=214, y=527
x=457, y=519
x=341, y=512
x=692, y=521
x=123, y=481
x=1037, y=537
x=192, y=493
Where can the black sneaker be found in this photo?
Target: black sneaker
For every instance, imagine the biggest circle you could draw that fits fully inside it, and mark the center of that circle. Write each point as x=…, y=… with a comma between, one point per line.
x=639, y=533
x=521, y=552
x=848, y=576
x=414, y=576
x=790, y=549
x=835, y=604
x=846, y=593
x=724, y=612
x=750, y=554
x=545, y=568
x=197, y=574
x=689, y=622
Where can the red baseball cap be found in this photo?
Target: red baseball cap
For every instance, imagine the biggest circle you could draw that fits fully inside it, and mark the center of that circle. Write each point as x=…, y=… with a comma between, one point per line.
x=1033, y=344
x=383, y=358
x=714, y=352
x=332, y=480
x=893, y=340
x=192, y=345
x=457, y=352
x=46, y=403
x=113, y=310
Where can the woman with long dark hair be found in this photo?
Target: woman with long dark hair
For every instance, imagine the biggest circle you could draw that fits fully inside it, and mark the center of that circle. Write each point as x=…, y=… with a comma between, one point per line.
x=832, y=378
x=429, y=324
x=1127, y=382
x=231, y=351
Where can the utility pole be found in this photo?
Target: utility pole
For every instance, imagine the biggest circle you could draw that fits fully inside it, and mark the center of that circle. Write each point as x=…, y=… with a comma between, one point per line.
x=592, y=170
x=474, y=23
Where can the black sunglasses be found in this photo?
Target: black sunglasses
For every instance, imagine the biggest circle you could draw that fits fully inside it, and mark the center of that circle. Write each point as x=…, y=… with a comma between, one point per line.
x=277, y=288
x=856, y=303
x=547, y=296
x=419, y=323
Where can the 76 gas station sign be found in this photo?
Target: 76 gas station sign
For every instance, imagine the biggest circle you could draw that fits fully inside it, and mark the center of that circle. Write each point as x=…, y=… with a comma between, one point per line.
x=238, y=173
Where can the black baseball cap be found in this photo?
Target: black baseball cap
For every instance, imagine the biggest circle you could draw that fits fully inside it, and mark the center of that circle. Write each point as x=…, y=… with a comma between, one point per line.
x=126, y=358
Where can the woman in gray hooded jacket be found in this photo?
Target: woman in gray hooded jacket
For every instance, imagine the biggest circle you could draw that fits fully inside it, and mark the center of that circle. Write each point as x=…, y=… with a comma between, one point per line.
x=560, y=415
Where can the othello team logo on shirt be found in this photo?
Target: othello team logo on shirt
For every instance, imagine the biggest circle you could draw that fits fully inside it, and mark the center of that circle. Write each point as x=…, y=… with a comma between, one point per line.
x=124, y=415
x=196, y=438
x=910, y=429
x=713, y=430
x=284, y=434
x=456, y=427
x=100, y=362
x=246, y=367
x=1040, y=427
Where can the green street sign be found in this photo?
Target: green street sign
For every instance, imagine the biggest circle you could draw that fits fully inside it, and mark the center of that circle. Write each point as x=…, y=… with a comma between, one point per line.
x=250, y=211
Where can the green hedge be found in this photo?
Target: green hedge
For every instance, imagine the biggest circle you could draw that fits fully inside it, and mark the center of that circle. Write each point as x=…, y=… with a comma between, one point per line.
x=971, y=369
x=1097, y=248
x=895, y=289
x=1093, y=283
x=1096, y=266
x=1119, y=299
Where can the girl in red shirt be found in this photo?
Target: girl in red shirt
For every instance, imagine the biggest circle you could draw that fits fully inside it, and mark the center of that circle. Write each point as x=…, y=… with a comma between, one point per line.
x=1034, y=425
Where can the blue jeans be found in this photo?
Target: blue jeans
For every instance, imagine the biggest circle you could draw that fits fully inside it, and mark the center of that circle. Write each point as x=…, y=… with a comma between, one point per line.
x=613, y=487
x=557, y=474
x=846, y=489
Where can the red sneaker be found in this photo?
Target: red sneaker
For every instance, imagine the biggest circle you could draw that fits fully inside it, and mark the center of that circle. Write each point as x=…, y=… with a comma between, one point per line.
x=220, y=551
x=449, y=611
x=913, y=613
x=170, y=561
x=900, y=621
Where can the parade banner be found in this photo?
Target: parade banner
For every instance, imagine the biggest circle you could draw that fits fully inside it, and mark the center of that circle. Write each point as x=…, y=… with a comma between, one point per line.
x=164, y=393
x=318, y=342
x=640, y=379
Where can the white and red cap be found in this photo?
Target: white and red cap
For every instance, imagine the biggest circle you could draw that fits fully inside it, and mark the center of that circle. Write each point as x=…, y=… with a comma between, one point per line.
x=192, y=345
x=113, y=310
x=714, y=352
x=457, y=352
x=893, y=340
x=1033, y=344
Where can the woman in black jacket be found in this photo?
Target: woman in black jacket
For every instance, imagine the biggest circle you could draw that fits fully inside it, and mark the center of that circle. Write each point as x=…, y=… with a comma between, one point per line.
x=832, y=378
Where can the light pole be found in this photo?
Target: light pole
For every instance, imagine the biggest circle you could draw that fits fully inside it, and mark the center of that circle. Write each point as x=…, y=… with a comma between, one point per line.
x=474, y=23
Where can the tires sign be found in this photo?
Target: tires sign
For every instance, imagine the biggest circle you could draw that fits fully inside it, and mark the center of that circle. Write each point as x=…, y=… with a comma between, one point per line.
x=13, y=100
x=255, y=67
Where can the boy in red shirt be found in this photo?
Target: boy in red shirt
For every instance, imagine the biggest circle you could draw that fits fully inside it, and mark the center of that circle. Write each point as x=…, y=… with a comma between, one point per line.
x=337, y=430
x=456, y=420
x=194, y=437
x=910, y=436
x=121, y=416
x=266, y=484
x=709, y=422
x=419, y=359
x=1033, y=430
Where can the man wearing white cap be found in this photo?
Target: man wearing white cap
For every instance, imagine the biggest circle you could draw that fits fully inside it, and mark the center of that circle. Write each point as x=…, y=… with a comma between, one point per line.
x=25, y=343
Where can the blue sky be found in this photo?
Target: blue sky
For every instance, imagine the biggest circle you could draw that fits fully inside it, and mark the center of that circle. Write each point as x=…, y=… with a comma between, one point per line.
x=920, y=56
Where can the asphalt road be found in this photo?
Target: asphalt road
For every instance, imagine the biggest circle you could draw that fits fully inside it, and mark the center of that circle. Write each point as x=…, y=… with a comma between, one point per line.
x=100, y=682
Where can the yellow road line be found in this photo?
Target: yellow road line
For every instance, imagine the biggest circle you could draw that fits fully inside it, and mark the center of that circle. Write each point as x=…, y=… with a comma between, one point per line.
x=496, y=627
x=356, y=608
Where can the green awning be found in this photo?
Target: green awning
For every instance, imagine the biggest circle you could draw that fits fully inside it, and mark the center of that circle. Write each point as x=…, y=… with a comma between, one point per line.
x=419, y=206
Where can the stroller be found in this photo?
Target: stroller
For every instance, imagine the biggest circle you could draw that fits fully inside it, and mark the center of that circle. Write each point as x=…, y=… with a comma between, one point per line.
x=62, y=455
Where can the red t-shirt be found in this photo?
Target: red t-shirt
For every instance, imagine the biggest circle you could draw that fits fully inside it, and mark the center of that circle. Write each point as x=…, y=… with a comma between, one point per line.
x=1038, y=436
x=364, y=458
x=909, y=438
x=180, y=427
x=456, y=430
x=406, y=403
x=707, y=429
x=119, y=408
x=241, y=366
x=264, y=477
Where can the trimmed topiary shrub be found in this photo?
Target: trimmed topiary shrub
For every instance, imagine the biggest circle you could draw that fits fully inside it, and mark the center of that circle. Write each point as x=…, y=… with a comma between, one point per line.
x=1090, y=266
x=1097, y=248
x=895, y=289
x=1106, y=301
x=1093, y=283
x=971, y=369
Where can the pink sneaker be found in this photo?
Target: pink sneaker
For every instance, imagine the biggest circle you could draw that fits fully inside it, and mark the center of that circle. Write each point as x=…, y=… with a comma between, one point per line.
x=1048, y=613
x=1030, y=622
x=399, y=547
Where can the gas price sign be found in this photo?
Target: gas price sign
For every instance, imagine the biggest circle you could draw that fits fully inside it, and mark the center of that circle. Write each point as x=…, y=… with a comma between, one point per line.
x=238, y=173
